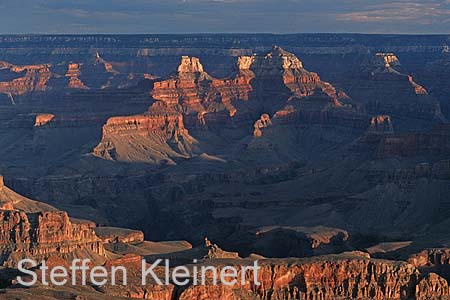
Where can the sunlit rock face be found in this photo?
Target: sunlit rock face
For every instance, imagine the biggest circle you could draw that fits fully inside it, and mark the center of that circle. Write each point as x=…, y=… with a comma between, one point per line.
x=275, y=83
x=40, y=235
x=147, y=138
x=331, y=278
x=290, y=93
x=43, y=119
x=25, y=79
x=200, y=96
x=385, y=61
x=260, y=82
x=73, y=73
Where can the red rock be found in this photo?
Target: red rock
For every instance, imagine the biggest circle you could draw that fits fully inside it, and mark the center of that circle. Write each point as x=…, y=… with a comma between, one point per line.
x=165, y=135
x=432, y=286
x=321, y=278
x=263, y=122
x=73, y=72
x=119, y=235
x=431, y=257
x=44, y=234
x=43, y=119
x=35, y=78
x=129, y=261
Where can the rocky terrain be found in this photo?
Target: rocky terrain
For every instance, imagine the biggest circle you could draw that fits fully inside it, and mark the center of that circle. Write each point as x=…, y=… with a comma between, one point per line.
x=329, y=149
x=53, y=236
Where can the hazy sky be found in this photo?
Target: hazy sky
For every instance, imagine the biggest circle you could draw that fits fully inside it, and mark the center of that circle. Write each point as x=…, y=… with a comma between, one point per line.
x=193, y=16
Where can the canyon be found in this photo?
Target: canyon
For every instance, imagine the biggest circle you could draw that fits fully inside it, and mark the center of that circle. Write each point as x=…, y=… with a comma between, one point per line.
x=51, y=235
x=332, y=150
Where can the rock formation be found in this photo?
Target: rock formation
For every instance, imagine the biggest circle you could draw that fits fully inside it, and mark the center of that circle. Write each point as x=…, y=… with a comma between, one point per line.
x=432, y=286
x=30, y=229
x=43, y=119
x=73, y=73
x=381, y=125
x=10, y=200
x=263, y=122
x=285, y=89
x=260, y=82
x=28, y=78
x=195, y=93
x=119, y=235
x=40, y=235
x=275, y=82
x=385, y=87
x=149, y=137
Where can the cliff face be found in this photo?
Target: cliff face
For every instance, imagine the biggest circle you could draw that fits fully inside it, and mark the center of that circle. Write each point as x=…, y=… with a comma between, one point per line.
x=290, y=93
x=196, y=93
x=154, y=138
x=275, y=83
x=73, y=73
x=385, y=87
x=29, y=78
x=266, y=82
x=40, y=235
x=347, y=276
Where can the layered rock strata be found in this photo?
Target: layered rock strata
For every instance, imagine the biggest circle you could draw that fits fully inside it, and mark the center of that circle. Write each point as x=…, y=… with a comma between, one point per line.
x=151, y=137
x=385, y=87
x=44, y=234
x=30, y=78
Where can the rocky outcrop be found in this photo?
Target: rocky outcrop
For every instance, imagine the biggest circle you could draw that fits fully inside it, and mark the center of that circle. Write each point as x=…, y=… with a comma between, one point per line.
x=73, y=73
x=266, y=82
x=432, y=286
x=263, y=122
x=342, y=277
x=119, y=235
x=293, y=94
x=30, y=229
x=31, y=78
x=43, y=119
x=285, y=241
x=147, y=138
x=384, y=61
x=435, y=263
x=195, y=93
x=381, y=125
x=385, y=87
x=431, y=257
x=44, y=234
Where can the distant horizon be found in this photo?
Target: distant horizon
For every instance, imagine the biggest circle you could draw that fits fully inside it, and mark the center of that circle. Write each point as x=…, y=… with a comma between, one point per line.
x=222, y=33
x=225, y=16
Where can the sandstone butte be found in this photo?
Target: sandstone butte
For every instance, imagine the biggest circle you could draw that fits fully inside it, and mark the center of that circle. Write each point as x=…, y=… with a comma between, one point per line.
x=73, y=73
x=54, y=236
x=275, y=82
x=203, y=99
